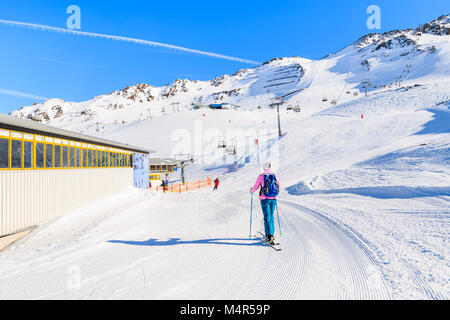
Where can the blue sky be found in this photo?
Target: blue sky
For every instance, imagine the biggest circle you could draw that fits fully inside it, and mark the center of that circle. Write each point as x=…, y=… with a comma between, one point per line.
x=77, y=68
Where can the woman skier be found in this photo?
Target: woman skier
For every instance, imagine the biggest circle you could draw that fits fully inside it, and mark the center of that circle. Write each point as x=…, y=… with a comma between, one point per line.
x=269, y=188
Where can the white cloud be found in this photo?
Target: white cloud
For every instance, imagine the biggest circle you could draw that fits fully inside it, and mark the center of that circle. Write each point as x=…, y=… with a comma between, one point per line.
x=22, y=94
x=126, y=39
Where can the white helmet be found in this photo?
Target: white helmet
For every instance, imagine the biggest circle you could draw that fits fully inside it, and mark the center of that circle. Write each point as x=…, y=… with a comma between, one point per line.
x=267, y=166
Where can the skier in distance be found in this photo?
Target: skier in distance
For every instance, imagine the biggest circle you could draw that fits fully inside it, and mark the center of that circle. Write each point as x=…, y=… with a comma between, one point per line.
x=269, y=188
x=216, y=184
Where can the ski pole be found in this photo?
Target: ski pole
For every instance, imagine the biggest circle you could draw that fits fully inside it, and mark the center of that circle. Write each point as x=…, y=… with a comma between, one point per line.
x=251, y=216
x=278, y=215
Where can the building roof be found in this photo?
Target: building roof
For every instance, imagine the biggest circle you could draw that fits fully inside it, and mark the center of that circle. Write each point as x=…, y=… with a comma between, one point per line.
x=29, y=126
x=160, y=162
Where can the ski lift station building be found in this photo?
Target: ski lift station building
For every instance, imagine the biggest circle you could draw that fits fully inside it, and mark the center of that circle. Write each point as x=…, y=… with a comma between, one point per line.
x=46, y=172
x=224, y=106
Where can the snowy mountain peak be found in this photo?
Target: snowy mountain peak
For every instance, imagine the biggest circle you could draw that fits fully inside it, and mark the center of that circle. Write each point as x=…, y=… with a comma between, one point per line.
x=138, y=92
x=438, y=27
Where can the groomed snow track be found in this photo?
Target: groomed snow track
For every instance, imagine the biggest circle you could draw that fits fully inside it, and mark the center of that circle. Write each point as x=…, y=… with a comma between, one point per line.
x=189, y=246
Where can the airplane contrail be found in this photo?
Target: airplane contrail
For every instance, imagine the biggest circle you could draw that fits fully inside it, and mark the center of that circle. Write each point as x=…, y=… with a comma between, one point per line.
x=22, y=94
x=126, y=39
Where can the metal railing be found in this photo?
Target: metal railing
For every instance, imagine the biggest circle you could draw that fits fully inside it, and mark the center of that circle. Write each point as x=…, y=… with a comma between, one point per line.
x=185, y=187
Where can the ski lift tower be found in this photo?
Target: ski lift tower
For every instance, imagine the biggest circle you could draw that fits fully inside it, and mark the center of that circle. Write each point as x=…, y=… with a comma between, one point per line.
x=173, y=106
x=182, y=161
x=364, y=84
x=277, y=102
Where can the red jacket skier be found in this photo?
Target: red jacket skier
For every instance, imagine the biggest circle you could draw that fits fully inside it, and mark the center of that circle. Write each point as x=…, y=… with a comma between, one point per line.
x=216, y=183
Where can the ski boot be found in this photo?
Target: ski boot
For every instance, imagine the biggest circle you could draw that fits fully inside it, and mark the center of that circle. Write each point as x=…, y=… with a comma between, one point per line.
x=272, y=241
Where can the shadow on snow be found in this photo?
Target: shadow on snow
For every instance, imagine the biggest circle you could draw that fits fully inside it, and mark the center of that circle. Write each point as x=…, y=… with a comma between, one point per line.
x=177, y=241
x=440, y=122
x=379, y=192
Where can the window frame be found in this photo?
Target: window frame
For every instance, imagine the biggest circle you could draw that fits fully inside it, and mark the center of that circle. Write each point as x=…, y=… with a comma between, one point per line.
x=65, y=144
x=15, y=136
x=90, y=156
x=57, y=142
x=49, y=141
x=5, y=135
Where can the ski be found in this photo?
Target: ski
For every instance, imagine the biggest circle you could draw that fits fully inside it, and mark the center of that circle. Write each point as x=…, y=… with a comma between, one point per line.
x=273, y=246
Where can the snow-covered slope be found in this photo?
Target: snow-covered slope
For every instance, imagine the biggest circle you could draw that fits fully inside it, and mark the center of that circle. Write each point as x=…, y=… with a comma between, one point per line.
x=377, y=62
x=364, y=212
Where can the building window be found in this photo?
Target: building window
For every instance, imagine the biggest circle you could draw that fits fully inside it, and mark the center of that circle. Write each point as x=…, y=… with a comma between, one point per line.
x=16, y=154
x=39, y=155
x=72, y=157
x=99, y=159
x=49, y=156
x=89, y=158
x=4, y=153
x=57, y=156
x=78, y=158
x=85, y=163
x=105, y=159
x=28, y=154
x=94, y=159
x=92, y=154
x=65, y=157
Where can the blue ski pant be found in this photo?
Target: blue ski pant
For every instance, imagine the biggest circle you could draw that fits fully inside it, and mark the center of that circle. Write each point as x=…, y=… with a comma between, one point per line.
x=268, y=209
